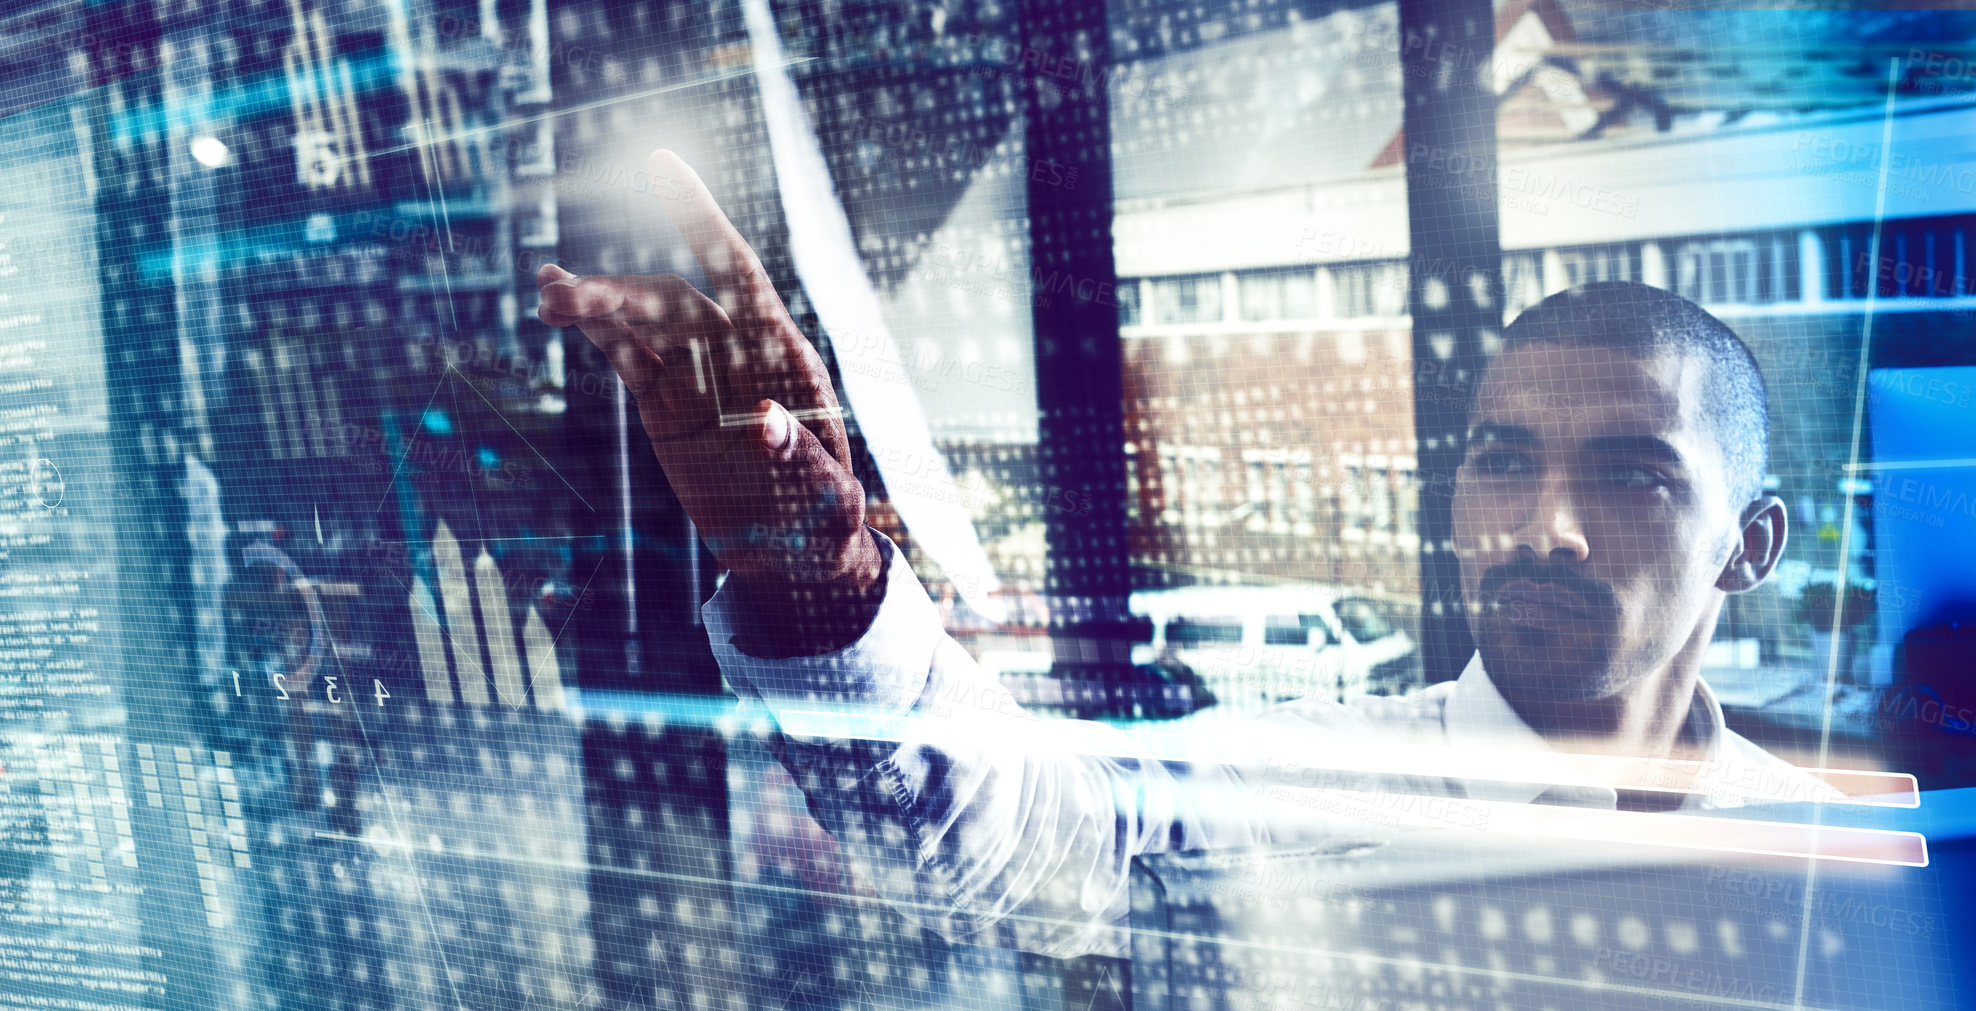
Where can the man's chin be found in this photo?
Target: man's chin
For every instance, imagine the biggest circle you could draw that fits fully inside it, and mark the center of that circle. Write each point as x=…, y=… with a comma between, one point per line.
x=1538, y=665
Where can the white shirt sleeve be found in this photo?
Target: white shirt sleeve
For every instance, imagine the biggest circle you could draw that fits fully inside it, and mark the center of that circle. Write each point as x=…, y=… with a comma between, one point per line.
x=965, y=811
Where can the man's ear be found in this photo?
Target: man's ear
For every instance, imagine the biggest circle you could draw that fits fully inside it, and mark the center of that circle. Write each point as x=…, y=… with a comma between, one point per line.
x=1758, y=548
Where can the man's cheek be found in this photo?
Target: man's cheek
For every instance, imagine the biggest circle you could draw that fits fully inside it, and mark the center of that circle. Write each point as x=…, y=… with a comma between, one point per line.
x=1484, y=524
x=1475, y=552
x=1642, y=549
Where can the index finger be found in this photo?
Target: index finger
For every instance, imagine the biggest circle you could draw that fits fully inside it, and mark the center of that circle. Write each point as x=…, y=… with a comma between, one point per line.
x=730, y=263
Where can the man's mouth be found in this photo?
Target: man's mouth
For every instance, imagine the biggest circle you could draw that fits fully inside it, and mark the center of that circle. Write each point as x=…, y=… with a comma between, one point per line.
x=1540, y=605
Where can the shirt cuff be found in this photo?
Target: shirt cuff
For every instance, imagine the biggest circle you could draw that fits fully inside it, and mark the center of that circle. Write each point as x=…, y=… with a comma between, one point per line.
x=881, y=674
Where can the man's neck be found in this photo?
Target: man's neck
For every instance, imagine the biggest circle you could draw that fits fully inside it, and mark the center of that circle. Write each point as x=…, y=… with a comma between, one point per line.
x=1649, y=720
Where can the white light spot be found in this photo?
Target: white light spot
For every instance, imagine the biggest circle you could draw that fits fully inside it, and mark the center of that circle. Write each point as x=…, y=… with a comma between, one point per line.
x=1434, y=293
x=209, y=151
x=1445, y=909
x=1537, y=924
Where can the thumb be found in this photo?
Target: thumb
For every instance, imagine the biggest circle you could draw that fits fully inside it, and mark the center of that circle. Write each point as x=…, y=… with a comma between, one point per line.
x=817, y=501
x=776, y=431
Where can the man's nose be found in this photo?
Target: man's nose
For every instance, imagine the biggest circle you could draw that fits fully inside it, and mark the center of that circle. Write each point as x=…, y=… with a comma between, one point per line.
x=1552, y=531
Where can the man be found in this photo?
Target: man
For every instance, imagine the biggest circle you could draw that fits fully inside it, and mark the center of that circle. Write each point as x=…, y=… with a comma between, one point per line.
x=1611, y=497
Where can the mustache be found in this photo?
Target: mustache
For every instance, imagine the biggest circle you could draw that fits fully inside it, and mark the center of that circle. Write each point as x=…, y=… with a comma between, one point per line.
x=1598, y=597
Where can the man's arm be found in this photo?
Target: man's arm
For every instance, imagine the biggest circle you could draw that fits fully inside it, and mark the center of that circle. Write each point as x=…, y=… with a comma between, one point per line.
x=961, y=808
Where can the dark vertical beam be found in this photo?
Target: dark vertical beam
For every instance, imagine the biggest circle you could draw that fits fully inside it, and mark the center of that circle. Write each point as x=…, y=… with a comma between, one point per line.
x=1080, y=396
x=1079, y=391
x=1455, y=264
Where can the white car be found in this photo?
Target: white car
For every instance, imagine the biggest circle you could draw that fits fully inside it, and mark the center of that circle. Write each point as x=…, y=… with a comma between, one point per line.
x=1265, y=644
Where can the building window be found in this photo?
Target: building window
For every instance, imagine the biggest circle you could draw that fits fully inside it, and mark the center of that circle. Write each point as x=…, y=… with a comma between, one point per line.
x=1281, y=499
x=1278, y=294
x=1296, y=630
x=1303, y=510
x=1187, y=299
x=1918, y=259
x=1183, y=633
x=1523, y=281
x=1190, y=486
x=1351, y=498
x=1378, y=499
x=1128, y=303
x=1132, y=488
x=1600, y=263
x=1368, y=290
x=1719, y=272
x=1256, y=510
x=1406, y=501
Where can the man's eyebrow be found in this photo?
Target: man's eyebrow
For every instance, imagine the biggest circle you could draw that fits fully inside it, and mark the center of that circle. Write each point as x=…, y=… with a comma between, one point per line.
x=1636, y=445
x=1491, y=432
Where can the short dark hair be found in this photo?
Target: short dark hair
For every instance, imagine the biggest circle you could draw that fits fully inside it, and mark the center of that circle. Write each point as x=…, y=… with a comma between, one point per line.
x=1645, y=321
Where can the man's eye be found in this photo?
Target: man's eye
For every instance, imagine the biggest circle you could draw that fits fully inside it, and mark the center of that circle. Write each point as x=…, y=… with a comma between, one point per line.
x=1631, y=475
x=1500, y=463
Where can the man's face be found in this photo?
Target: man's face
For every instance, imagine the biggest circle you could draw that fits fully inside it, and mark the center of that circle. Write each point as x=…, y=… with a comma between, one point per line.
x=1592, y=517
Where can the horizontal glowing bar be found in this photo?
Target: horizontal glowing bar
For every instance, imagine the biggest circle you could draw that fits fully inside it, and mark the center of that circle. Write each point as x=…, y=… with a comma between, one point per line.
x=1281, y=754
x=1865, y=787
x=1639, y=828
x=805, y=414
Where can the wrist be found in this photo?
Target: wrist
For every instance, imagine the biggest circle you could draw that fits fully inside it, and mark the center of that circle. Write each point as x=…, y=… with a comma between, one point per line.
x=789, y=618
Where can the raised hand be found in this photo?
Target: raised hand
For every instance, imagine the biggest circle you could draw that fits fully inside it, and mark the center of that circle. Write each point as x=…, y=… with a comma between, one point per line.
x=737, y=403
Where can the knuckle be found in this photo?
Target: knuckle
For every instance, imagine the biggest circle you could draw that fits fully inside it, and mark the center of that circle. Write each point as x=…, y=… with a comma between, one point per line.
x=812, y=361
x=814, y=387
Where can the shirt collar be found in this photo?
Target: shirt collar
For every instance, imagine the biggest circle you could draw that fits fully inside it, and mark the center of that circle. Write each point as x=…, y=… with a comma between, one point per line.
x=1477, y=716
